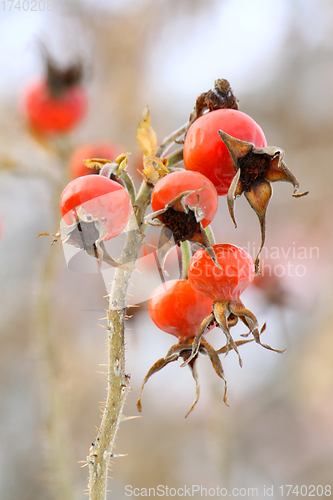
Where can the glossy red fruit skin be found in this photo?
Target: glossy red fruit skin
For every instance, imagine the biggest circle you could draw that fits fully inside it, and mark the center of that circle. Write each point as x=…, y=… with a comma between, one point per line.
x=50, y=114
x=205, y=152
x=176, y=308
x=91, y=150
x=175, y=183
x=229, y=282
x=100, y=197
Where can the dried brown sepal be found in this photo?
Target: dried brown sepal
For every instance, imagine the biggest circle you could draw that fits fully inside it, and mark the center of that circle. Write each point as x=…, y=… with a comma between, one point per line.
x=217, y=365
x=172, y=355
x=249, y=319
x=194, y=372
x=205, y=324
x=220, y=97
x=258, y=199
x=166, y=243
x=225, y=349
x=61, y=79
x=184, y=349
x=225, y=315
x=255, y=169
x=184, y=221
x=222, y=311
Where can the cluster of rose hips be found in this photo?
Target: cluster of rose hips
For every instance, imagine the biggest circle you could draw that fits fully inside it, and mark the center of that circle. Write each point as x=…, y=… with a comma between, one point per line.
x=224, y=153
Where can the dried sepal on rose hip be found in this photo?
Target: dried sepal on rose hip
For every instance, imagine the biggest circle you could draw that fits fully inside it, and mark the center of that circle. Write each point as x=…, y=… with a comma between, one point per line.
x=176, y=308
x=94, y=209
x=255, y=168
x=184, y=203
x=224, y=286
x=220, y=96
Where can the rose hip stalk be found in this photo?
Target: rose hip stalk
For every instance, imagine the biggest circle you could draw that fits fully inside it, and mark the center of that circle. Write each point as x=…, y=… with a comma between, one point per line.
x=224, y=285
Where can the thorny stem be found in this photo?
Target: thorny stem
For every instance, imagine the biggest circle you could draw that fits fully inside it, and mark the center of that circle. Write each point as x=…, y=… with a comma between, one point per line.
x=118, y=382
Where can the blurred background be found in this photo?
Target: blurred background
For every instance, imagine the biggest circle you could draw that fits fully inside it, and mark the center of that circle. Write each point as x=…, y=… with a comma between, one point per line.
x=278, y=428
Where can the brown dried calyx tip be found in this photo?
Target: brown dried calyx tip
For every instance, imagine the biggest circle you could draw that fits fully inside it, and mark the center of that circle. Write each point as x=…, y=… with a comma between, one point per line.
x=184, y=349
x=225, y=315
x=183, y=225
x=255, y=170
x=220, y=97
x=60, y=79
x=184, y=222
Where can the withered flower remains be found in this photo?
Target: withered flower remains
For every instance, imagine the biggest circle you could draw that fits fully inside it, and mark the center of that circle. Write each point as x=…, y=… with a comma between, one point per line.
x=255, y=169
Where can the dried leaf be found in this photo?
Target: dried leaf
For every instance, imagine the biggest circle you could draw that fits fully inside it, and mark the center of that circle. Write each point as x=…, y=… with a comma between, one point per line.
x=96, y=163
x=154, y=169
x=151, y=175
x=145, y=135
x=121, y=158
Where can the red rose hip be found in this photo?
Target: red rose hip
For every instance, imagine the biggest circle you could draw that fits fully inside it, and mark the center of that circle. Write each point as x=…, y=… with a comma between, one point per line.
x=205, y=152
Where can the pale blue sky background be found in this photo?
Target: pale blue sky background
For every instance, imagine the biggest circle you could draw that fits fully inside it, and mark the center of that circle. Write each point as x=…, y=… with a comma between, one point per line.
x=240, y=39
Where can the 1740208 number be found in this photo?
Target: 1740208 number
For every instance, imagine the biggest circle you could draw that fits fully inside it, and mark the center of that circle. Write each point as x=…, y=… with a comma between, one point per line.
x=305, y=491
x=27, y=5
